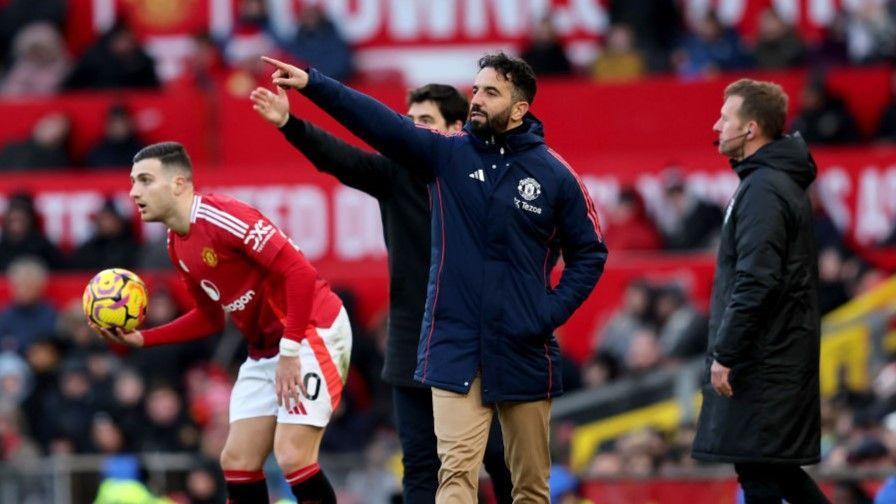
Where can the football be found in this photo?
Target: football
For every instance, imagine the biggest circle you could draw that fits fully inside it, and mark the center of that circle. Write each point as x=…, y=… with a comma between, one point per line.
x=115, y=297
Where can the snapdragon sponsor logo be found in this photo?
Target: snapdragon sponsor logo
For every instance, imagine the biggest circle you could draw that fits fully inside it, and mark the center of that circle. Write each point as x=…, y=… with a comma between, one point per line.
x=239, y=304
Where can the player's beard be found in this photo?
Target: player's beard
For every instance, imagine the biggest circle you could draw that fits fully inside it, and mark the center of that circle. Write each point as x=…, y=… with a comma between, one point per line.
x=492, y=124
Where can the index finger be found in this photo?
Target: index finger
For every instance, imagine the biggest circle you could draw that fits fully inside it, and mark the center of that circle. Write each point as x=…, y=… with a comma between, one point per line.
x=277, y=63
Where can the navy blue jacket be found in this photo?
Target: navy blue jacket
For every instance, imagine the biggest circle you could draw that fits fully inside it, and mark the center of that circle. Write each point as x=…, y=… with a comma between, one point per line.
x=503, y=210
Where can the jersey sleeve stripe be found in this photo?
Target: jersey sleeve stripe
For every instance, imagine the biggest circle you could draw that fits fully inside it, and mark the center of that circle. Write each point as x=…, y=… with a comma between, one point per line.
x=589, y=203
x=225, y=216
x=221, y=224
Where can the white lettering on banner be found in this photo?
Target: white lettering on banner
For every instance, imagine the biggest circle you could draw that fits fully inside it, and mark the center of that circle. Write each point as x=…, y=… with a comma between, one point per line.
x=358, y=228
x=732, y=12
x=435, y=18
x=402, y=20
x=834, y=188
x=874, y=204
x=358, y=24
x=67, y=214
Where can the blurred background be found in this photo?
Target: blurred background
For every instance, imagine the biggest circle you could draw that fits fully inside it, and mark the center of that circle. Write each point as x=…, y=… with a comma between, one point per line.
x=628, y=92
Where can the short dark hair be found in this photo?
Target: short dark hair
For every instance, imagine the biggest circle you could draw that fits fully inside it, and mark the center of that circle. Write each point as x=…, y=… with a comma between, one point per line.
x=517, y=71
x=763, y=102
x=170, y=154
x=453, y=106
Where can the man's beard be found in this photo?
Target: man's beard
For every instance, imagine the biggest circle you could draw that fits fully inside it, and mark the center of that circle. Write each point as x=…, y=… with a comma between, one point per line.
x=493, y=124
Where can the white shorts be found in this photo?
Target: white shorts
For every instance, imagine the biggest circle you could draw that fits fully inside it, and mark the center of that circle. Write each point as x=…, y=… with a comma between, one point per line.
x=324, y=357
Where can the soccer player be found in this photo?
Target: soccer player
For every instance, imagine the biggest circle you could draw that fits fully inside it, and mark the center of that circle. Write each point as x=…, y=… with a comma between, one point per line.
x=404, y=207
x=234, y=260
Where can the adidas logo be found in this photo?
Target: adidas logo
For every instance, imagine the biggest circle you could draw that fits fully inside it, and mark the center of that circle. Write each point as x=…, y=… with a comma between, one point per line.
x=478, y=175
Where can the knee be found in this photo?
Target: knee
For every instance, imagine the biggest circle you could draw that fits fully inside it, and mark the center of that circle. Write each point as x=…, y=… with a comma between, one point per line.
x=293, y=457
x=236, y=460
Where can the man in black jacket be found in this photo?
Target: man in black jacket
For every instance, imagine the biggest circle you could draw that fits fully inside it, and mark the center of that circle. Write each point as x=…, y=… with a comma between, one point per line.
x=404, y=208
x=761, y=406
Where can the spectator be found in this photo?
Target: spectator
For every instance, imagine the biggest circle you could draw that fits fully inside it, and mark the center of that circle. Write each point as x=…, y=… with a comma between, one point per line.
x=832, y=50
x=250, y=40
x=19, y=13
x=40, y=62
x=319, y=44
x=870, y=32
x=710, y=49
x=824, y=118
x=15, y=379
x=15, y=446
x=72, y=407
x=657, y=26
x=28, y=317
x=629, y=227
x=128, y=407
x=46, y=148
x=167, y=429
x=43, y=358
x=688, y=222
x=204, y=485
x=106, y=436
x=832, y=291
x=634, y=315
x=115, y=61
x=22, y=236
x=112, y=245
x=643, y=353
x=778, y=44
x=119, y=143
x=545, y=52
x=682, y=329
x=599, y=370
x=204, y=67
x=620, y=60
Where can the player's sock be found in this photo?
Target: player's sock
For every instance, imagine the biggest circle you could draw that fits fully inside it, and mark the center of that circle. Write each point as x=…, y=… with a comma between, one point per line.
x=311, y=486
x=245, y=487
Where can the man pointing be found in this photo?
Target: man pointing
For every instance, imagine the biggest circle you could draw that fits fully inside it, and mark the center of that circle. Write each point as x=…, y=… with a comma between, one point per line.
x=504, y=207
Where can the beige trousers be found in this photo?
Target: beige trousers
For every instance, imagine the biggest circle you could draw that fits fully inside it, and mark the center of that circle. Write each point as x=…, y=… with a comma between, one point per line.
x=462, y=426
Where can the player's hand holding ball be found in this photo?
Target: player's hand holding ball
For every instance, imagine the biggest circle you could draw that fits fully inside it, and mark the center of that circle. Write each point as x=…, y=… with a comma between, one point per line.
x=115, y=302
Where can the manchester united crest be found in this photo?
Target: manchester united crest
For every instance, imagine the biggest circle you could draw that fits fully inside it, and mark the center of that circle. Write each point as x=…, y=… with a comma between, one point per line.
x=529, y=188
x=209, y=257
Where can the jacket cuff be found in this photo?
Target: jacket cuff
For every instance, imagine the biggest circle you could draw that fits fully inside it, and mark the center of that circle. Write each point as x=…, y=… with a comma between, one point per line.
x=724, y=359
x=293, y=128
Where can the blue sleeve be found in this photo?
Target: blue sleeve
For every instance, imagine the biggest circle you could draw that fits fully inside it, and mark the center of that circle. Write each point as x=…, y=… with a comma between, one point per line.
x=394, y=135
x=582, y=246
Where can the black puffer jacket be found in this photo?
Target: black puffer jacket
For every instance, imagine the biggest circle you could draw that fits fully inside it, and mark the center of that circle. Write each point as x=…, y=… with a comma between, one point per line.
x=764, y=321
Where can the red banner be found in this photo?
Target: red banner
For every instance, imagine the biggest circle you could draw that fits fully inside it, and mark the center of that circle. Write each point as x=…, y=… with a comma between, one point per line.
x=408, y=35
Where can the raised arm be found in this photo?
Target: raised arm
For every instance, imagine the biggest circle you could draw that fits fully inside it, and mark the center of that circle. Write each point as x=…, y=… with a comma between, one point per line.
x=382, y=128
x=354, y=167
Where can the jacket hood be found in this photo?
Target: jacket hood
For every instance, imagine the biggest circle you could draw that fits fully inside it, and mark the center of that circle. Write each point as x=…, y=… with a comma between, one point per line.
x=789, y=154
x=525, y=136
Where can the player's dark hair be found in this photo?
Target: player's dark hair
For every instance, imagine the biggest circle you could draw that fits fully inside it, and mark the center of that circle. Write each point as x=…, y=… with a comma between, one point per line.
x=451, y=103
x=763, y=102
x=517, y=71
x=170, y=154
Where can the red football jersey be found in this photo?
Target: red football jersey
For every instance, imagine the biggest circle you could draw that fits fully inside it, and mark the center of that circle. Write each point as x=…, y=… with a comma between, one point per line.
x=224, y=259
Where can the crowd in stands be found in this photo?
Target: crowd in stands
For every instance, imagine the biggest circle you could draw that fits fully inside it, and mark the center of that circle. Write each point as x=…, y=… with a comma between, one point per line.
x=62, y=391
